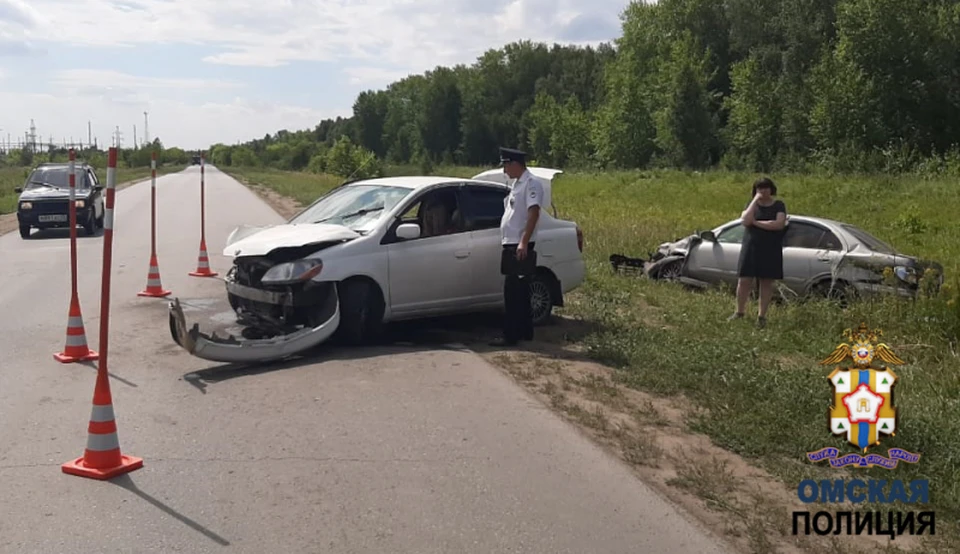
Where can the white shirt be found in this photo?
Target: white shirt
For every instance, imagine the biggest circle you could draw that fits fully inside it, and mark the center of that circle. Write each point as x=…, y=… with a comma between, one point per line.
x=527, y=191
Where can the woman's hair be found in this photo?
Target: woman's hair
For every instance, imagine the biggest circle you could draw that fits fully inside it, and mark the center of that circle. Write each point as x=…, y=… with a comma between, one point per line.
x=764, y=182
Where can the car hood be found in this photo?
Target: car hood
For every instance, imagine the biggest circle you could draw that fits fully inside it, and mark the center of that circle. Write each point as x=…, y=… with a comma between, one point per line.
x=250, y=240
x=50, y=194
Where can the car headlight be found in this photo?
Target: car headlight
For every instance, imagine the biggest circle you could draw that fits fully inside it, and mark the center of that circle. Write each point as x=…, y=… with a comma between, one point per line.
x=26, y=206
x=79, y=203
x=906, y=274
x=292, y=272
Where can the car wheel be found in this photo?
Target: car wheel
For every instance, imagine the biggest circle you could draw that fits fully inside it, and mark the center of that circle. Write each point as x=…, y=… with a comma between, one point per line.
x=839, y=293
x=670, y=271
x=361, y=312
x=541, y=299
x=89, y=226
x=24, y=231
x=99, y=221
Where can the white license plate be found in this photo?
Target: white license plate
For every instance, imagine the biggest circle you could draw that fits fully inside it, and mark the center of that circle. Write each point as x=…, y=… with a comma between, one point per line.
x=48, y=218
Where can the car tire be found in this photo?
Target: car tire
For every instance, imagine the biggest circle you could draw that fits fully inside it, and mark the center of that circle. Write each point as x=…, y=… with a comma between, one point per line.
x=670, y=271
x=90, y=225
x=361, y=312
x=541, y=298
x=99, y=220
x=840, y=293
x=24, y=231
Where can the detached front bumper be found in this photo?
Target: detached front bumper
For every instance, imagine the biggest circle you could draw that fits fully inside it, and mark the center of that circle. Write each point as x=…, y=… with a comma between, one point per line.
x=239, y=350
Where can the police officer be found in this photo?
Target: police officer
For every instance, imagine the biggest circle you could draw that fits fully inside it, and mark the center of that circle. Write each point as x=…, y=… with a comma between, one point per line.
x=518, y=232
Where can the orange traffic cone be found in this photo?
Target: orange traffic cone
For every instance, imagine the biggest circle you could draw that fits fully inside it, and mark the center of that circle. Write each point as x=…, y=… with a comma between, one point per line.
x=154, y=287
x=203, y=262
x=102, y=458
x=76, y=349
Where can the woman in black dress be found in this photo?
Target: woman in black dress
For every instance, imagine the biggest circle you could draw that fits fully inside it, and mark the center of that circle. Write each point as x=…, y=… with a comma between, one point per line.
x=761, y=254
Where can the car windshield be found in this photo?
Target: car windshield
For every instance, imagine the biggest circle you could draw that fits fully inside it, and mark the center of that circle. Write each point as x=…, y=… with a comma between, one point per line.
x=54, y=177
x=870, y=241
x=357, y=207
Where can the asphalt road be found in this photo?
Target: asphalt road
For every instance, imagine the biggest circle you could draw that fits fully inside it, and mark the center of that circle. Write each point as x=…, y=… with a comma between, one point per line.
x=375, y=450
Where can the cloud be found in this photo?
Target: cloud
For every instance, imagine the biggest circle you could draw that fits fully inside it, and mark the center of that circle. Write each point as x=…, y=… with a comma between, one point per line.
x=407, y=35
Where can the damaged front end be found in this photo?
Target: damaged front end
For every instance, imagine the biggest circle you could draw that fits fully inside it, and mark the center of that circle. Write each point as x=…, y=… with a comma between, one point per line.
x=281, y=309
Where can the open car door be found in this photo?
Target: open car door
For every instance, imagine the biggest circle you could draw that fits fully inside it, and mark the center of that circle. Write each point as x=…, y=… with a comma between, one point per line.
x=544, y=173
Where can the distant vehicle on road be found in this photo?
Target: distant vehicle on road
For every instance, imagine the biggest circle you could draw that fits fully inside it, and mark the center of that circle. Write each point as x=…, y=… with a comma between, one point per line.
x=377, y=251
x=195, y=160
x=44, y=201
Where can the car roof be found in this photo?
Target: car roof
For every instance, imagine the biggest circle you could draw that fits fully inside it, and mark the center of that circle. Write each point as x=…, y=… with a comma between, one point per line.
x=418, y=182
x=61, y=165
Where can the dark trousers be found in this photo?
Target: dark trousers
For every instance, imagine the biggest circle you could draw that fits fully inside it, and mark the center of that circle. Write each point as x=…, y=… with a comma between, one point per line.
x=518, y=319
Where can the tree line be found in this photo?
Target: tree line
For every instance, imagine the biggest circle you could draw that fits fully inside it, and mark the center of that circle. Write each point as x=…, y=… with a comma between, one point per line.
x=782, y=85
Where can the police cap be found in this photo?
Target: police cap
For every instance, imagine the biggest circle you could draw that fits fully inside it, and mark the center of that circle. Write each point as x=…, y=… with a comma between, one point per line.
x=512, y=155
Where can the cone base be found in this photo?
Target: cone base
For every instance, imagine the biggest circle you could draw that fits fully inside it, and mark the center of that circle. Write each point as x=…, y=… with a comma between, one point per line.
x=154, y=293
x=127, y=464
x=65, y=358
x=203, y=273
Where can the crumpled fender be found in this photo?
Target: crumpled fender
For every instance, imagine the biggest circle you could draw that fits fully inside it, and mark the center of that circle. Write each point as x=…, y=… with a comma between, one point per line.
x=239, y=350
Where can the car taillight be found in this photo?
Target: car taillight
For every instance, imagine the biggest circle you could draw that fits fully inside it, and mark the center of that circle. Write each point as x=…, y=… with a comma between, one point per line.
x=580, y=238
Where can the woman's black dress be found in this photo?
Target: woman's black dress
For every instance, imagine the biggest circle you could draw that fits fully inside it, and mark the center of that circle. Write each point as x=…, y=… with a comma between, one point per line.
x=761, y=254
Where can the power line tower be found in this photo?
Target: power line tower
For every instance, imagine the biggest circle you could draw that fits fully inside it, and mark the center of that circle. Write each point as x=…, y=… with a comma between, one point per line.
x=117, y=137
x=32, y=137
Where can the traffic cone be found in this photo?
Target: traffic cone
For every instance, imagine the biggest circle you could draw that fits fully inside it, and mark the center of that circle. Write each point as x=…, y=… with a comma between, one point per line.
x=203, y=262
x=76, y=347
x=102, y=458
x=154, y=287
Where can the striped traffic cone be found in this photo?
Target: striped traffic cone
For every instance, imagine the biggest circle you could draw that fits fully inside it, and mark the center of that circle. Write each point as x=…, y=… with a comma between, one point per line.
x=154, y=287
x=203, y=262
x=102, y=458
x=76, y=348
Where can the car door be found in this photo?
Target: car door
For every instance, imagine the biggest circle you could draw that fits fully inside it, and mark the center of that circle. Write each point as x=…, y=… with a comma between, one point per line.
x=483, y=209
x=96, y=197
x=430, y=274
x=716, y=261
x=803, y=253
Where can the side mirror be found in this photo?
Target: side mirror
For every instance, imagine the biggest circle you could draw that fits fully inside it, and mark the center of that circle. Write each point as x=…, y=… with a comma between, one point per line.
x=408, y=231
x=708, y=235
x=18, y=190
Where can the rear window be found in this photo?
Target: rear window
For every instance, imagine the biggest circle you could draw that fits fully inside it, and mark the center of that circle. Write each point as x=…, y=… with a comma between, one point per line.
x=869, y=240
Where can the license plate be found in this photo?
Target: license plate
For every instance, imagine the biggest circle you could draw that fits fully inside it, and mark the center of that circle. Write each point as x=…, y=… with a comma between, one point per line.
x=48, y=218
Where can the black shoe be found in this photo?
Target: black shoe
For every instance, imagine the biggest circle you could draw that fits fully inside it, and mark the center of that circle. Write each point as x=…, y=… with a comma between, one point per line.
x=502, y=342
x=736, y=315
x=761, y=322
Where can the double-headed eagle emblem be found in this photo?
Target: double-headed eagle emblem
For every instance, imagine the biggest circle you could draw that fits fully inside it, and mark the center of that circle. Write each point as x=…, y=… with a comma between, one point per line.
x=863, y=350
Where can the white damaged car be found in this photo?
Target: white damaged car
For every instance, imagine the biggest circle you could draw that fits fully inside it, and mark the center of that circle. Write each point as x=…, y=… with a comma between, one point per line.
x=372, y=252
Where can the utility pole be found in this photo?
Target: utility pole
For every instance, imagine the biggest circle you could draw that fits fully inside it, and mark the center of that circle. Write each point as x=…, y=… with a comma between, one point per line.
x=89, y=135
x=146, y=132
x=134, y=137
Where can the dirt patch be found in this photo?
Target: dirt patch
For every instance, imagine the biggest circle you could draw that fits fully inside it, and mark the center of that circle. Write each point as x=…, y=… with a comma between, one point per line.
x=733, y=497
x=285, y=206
x=9, y=223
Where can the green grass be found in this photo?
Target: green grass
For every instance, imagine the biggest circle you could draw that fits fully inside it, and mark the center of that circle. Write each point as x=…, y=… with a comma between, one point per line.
x=764, y=394
x=13, y=177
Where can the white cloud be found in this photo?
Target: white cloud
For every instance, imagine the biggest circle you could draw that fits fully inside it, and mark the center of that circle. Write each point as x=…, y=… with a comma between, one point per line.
x=406, y=35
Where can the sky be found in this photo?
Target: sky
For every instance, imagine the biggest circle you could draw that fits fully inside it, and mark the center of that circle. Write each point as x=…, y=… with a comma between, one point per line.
x=228, y=71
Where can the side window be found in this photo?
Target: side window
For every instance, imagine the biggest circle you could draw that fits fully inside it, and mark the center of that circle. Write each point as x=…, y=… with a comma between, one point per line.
x=829, y=241
x=437, y=213
x=802, y=235
x=483, y=207
x=732, y=235
x=93, y=178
